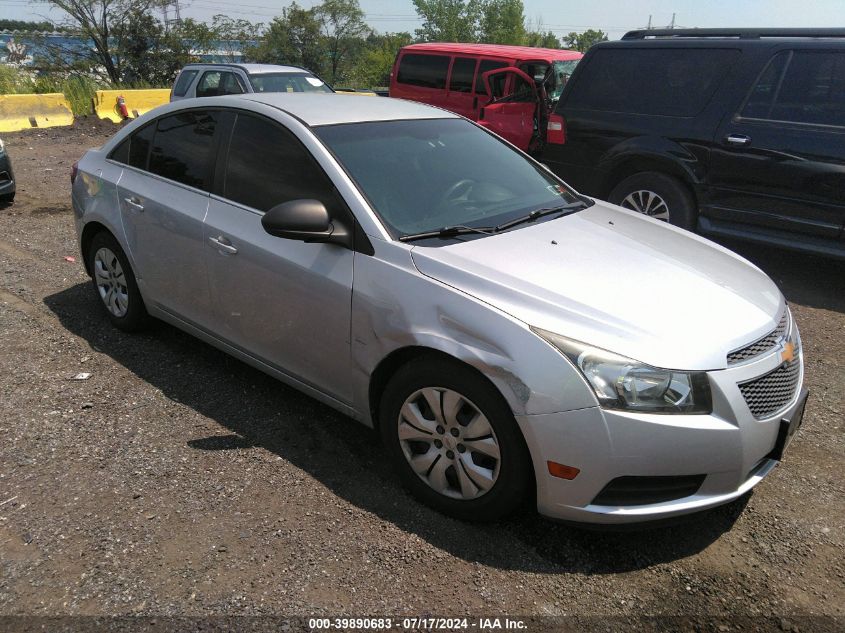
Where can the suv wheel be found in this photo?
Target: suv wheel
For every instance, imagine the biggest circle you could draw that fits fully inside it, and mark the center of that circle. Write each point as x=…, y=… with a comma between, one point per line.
x=454, y=440
x=657, y=195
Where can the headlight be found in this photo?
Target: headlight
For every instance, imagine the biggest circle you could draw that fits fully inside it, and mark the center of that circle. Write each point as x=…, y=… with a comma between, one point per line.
x=623, y=383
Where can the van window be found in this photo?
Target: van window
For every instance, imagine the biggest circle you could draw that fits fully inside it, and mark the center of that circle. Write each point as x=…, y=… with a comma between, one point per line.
x=658, y=81
x=813, y=89
x=463, y=72
x=185, y=79
x=485, y=66
x=428, y=71
x=182, y=147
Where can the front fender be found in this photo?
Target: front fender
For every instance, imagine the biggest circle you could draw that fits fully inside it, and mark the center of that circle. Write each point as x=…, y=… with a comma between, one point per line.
x=394, y=307
x=656, y=153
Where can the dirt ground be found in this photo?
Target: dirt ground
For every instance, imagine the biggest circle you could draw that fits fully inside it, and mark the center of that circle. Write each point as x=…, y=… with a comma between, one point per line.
x=177, y=481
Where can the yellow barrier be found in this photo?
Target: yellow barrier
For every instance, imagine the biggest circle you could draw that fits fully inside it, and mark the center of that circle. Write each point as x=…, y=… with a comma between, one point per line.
x=137, y=102
x=22, y=112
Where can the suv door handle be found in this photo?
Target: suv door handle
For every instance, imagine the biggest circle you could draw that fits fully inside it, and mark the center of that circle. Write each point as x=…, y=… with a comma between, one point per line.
x=738, y=139
x=222, y=244
x=134, y=203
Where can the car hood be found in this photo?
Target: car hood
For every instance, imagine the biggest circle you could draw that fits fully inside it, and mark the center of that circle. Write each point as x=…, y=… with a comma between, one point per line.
x=619, y=281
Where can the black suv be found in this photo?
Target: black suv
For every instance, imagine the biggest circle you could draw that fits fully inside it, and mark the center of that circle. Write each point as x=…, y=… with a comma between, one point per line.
x=737, y=133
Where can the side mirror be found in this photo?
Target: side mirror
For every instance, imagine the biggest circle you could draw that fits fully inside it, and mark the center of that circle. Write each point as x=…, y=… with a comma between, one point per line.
x=305, y=220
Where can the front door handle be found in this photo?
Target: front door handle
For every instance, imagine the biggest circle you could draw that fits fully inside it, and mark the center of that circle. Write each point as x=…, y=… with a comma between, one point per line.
x=738, y=139
x=222, y=244
x=134, y=203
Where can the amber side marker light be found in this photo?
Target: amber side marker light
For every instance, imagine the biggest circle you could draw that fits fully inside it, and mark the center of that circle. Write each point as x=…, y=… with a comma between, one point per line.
x=562, y=471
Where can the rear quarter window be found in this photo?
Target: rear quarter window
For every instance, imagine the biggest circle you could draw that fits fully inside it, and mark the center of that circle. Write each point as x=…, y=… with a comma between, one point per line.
x=428, y=71
x=184, y=81
x=657, y=81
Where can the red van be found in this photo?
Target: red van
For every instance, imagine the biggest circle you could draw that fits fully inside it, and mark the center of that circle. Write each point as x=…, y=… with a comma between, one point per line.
x=510, y=90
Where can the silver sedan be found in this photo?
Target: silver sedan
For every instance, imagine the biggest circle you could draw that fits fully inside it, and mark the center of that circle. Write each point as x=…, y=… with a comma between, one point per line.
x=512, y=340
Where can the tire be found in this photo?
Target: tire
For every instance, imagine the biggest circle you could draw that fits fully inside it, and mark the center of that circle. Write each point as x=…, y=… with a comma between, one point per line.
x=115, y=285
x=486, y=488
x=672, y=201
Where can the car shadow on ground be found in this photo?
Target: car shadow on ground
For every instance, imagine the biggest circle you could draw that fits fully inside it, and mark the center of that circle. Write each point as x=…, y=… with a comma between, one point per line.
x=804, y=279
x=346, y=457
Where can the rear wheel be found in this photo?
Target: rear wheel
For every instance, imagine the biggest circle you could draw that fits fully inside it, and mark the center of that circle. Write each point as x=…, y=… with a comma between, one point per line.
x=657, y=195
x=454, y=440
x=115, y=285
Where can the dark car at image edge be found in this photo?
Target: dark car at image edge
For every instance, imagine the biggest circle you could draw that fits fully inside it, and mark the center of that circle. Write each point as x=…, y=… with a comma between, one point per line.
x=737, y=133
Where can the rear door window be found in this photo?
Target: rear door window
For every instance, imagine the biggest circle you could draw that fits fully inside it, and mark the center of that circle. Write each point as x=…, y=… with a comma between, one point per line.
x=428, y=71
x=215, y=83
x=485, y=66
x=759, y=102
x=267, y=165
x=813, y=89
x=463, y=72
x=135, y=149
x=657, y=81
x=185, y=79
x=182, y=147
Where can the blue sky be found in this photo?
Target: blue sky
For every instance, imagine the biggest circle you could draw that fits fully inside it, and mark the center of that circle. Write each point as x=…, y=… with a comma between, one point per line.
x=561, y=16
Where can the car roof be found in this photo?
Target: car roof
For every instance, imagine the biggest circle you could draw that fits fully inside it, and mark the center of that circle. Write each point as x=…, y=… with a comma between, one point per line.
x=496, y=50
x=329, y=109
x=254, y=69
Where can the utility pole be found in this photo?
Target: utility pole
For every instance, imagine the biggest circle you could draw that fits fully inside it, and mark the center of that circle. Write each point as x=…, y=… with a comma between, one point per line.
x=649, y=27
x=671, y=26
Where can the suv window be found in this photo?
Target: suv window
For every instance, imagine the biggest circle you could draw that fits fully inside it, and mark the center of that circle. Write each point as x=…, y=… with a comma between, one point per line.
x=463, y=71
x=428, y=71
x=812, y=89
x=485, y=66
x=215, y=83
x=185, y=79
x=182, y=147
x=657, y=81
x=759, y=102
x=267, y=165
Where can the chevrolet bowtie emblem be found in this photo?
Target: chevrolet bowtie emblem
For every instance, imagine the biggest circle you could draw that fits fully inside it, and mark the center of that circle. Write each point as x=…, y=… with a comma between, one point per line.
x=788, y=353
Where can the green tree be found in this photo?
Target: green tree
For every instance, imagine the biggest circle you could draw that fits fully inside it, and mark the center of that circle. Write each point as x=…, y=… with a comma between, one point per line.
x=343, y=28
x=295, y=38
x=101, y=21
x=225, y=34
x=502, y=22
x=146, y=53
x=542, y=40
x=448, y=20
x=373, y=67
x=582, y=41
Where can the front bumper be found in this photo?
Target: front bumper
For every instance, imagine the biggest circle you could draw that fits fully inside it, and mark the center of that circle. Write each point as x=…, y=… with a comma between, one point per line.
x=7, y=176
x=729, y=449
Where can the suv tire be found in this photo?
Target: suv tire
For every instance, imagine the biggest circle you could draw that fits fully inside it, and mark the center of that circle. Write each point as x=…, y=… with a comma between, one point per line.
x=657, y=195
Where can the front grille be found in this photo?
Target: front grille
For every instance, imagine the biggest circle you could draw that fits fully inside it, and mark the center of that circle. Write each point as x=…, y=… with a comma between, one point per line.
x=763, y=345
x=640, y=491
x=769, y=394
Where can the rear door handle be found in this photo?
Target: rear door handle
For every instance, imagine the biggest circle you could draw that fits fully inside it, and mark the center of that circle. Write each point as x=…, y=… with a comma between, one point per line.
x=738, y=139
x=134, y=203
x=222, y=244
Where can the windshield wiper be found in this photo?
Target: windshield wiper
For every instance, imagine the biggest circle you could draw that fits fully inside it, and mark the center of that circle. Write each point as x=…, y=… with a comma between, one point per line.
x=447, y=231
x=539, y=213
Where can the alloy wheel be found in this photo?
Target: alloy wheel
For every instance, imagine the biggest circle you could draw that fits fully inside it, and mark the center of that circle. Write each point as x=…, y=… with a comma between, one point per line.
x=647, y=202
x=111, y=282
x=449, y=443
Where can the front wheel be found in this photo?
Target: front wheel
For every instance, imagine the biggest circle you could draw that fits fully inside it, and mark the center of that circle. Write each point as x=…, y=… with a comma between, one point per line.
x=454, y=440
x=657, y=195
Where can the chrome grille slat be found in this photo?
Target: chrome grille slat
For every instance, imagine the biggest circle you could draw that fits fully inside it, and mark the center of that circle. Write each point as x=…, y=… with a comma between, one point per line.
x=769, y=394
x=763, y=345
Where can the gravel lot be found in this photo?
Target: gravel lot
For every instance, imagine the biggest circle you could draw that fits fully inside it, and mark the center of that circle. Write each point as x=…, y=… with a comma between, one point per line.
x=176, y=481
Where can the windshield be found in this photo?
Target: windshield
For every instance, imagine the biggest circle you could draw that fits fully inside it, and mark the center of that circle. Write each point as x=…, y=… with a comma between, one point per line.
x=561, y=73
x=423, y=175
x=287, y=82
